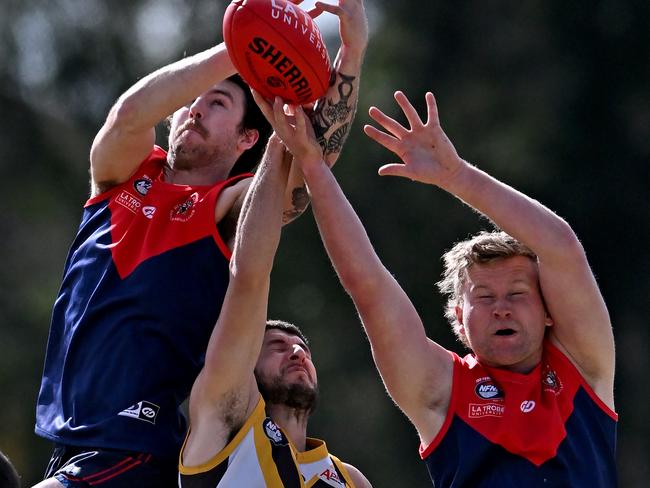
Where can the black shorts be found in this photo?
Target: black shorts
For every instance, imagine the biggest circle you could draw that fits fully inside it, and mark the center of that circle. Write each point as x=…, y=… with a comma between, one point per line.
x=76, y=467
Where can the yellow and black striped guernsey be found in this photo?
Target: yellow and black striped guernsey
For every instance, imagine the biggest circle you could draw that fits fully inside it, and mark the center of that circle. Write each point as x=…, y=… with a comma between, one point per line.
x=260, y=455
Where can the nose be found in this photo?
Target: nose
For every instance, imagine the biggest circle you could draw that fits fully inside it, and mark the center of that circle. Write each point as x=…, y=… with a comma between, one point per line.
x=196, y=112
x=501, y=309
x=298, y=353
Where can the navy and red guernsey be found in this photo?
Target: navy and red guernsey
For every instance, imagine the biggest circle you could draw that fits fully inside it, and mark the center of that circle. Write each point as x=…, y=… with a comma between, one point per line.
x=142, y=289
x=545, y=429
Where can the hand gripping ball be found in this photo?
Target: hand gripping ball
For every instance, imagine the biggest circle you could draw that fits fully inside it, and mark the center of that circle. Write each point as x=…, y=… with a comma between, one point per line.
x=278, y=49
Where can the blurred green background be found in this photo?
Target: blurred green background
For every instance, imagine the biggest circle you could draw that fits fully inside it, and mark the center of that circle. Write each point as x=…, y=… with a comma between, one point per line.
x=552, y=97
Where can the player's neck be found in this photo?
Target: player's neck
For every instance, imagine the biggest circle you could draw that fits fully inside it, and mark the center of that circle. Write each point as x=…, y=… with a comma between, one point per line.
x=207, y=175
x=293, y=422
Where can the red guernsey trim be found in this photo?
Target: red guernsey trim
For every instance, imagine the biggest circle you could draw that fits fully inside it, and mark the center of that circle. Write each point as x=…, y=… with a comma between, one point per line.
x=425, y=450
x=149, y=217
x=526, y=414
x=118, y=469
x=553, y=349
x=157, y=153
x=128, y=459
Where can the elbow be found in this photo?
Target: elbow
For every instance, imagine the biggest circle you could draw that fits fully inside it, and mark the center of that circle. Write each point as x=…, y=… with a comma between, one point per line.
x=248, y=277
x=124, y=115
x=566, y=242
x=360, y=283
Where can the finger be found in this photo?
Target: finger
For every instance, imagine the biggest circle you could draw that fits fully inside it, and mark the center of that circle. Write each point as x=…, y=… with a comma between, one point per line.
x=408, y=109
x=393, y=169
x=308, y=126
x=281, y=125
x=300, y=120
x=332, y=9
x=387, y=122
x=432, y=110
x=289, y=110
x=315, y=12
x=308, y=108
x=389, y=142
x=264, y=105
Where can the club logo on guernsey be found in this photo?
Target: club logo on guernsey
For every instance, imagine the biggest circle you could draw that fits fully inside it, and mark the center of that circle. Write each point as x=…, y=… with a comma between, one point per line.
x=185, y=210
x=143, y=410
x=273, y=432
x=550, y=381
x=142, y=185
x=488, y=390
x=148, y=211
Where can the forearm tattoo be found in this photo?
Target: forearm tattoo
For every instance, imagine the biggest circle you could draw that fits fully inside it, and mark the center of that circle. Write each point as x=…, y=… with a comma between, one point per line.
x=328, y=113
x=299, y=200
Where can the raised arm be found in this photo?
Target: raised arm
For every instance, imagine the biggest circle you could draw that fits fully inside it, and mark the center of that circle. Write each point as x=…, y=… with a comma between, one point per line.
x=333, y=114
x=581, y=326
x=128, y=134
x=417, y=372
x=225, y=391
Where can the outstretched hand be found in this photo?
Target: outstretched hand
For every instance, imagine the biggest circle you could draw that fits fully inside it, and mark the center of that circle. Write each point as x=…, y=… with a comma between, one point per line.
x=294, y=129
x=353, y=27
x=426, y=152
x=313, y=13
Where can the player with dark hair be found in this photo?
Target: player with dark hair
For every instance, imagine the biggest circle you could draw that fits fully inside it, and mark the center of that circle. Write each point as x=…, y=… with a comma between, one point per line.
x=533, y=403
x=251, y=402
x=148, y=270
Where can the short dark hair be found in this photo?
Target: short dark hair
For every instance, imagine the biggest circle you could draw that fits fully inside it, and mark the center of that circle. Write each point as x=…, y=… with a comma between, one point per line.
x=287, y=328
x=253, y=119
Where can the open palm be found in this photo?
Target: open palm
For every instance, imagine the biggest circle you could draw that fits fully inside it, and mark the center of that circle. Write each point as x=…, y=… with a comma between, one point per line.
x=426, y=152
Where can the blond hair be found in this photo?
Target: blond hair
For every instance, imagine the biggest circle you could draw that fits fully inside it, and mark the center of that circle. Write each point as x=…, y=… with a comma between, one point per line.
x=481, y=248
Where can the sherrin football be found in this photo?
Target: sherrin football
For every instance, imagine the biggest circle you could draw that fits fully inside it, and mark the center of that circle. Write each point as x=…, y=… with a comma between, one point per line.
x=278, y=49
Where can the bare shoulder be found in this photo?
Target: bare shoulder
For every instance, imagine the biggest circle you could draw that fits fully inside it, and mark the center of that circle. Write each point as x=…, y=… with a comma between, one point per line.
x=428, y=406
x=230, y=200
x=359, y=480
x=215, y=420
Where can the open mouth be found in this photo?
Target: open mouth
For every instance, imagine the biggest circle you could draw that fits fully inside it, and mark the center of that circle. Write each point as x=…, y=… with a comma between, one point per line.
x=505, y=332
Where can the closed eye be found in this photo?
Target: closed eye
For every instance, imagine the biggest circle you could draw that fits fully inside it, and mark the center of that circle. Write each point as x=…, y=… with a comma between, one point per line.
x=485, y=297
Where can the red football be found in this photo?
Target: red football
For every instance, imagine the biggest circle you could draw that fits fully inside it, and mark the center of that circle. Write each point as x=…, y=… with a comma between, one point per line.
x=278, y=49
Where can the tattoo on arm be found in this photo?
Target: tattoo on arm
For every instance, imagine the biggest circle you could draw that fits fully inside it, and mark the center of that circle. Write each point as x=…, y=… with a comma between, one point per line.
x=327, y=113
x=299, y=200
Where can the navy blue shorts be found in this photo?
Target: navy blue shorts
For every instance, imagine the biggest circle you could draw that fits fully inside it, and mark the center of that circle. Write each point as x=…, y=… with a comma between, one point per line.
x=76, y=467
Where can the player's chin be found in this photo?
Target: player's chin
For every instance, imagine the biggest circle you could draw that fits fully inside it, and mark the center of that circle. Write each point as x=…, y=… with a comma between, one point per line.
x=299, y=377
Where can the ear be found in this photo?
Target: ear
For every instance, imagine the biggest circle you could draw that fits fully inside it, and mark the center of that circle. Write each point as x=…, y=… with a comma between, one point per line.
x=459, y=317
x=247, y=139
x=548, y=320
